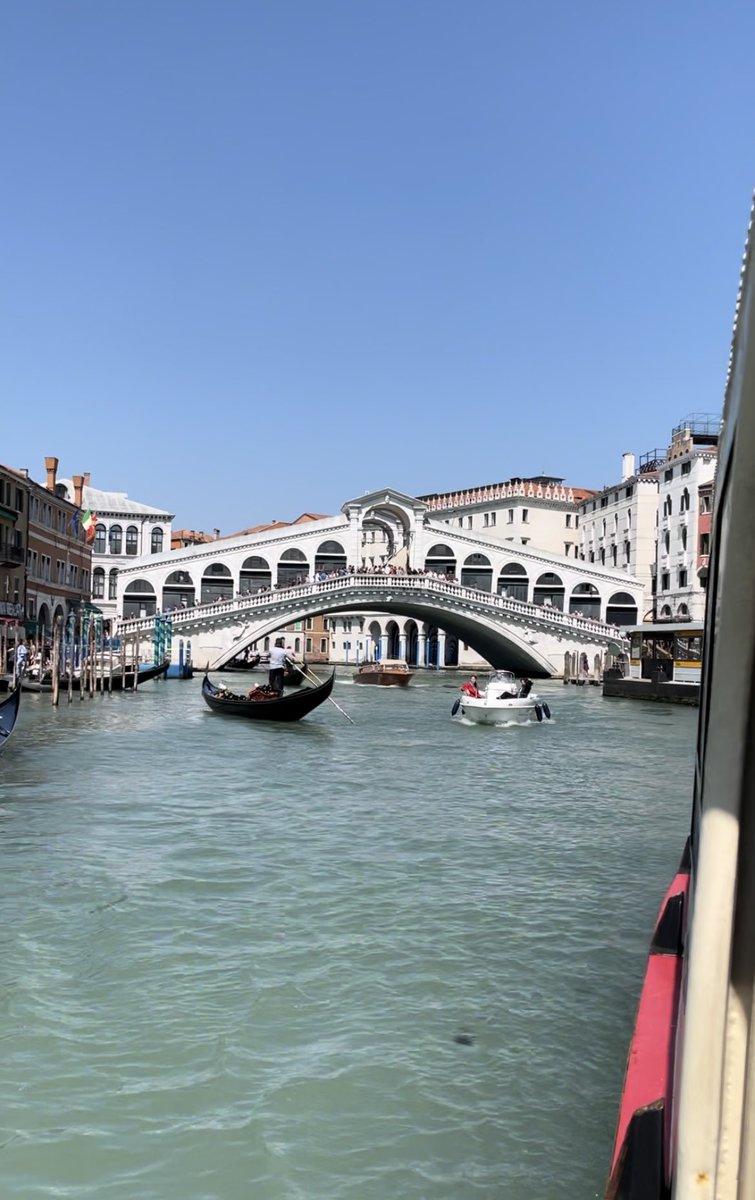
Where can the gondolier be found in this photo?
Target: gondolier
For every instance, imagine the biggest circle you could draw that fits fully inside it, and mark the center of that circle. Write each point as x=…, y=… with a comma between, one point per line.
x=278, y=660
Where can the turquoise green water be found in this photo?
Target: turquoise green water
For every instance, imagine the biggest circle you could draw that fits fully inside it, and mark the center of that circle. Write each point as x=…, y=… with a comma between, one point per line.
x=235, y=959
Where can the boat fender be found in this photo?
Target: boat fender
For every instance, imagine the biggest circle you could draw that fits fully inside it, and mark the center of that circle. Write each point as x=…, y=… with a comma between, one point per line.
x=538, y=712
x=546, y=712
x=455, y=708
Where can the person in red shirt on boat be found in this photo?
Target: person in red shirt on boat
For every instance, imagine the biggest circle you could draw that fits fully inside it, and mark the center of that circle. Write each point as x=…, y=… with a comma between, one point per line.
x=470, y=688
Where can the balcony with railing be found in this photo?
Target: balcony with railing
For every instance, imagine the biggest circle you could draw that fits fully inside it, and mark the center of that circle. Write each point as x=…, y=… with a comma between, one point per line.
x=652, y=460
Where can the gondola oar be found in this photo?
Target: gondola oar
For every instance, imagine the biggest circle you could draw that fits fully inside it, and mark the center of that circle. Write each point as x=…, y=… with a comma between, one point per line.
x=308, y=671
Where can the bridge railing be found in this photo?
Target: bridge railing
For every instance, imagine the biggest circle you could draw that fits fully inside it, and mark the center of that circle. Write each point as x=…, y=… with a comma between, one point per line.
x=250, y=601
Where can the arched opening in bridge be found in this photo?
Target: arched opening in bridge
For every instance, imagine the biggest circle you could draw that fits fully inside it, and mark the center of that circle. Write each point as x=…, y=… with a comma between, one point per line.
x=585, y=599
x=442, y=560
x=411, y=634
x=255, y=574
x=292, y=568
x=372, y=646
x=217, y=583
x=178, y=591
x=621, y=609
x=385, y=534
x=393, y=636
x=330, y=557
x=441, y=648
x=452, y=650
x=139, y=599
x=477, y=572
x=549, y=590
x=513, y=582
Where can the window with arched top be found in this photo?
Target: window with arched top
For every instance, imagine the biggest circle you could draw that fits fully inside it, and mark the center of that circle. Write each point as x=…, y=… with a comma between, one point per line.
x=255, y=574
x=549, y=590
x=293, y=568
x=98, y=583
x=156, y=541
x=585, y=600
x=139, y=599
x=132, y=540
x=217, y=583
x=477, y=572
x=441, y=559
x=684, y=506
x=112, y=584
x=330, y=557
x=621, y=609
x=100, y=539
x=115, y=539
x=513, y=582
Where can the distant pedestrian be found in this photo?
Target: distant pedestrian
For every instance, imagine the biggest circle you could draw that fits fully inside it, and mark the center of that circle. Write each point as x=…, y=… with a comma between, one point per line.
x=22, y=654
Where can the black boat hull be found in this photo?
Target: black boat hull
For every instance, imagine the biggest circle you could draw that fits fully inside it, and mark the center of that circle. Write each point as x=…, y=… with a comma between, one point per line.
x=8, y=716
x=279, y=708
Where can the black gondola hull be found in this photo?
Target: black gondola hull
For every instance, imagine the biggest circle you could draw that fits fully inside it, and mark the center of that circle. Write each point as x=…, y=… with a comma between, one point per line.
x=281, y=708
x=9, y=716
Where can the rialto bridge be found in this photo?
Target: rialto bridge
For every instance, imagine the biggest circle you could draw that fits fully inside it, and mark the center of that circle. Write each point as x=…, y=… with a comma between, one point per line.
x=515, y=605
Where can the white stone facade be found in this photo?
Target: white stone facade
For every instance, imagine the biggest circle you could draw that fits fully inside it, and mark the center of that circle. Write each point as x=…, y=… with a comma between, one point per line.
x=679, y=591
x=125, y=531
x=618, y=525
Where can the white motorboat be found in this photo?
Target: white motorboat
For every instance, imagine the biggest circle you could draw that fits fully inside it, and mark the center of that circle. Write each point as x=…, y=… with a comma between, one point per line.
x=504, y=700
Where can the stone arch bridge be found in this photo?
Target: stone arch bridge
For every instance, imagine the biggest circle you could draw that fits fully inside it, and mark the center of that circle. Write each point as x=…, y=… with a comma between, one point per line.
x=528, y=638
x=385, y=552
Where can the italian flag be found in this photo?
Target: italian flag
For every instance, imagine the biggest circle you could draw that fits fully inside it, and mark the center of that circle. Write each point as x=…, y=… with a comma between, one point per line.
x=88, y=525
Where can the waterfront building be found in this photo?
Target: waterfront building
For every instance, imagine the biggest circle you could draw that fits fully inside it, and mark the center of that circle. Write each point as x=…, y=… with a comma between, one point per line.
x=125, y=530
x=685, y=481
x=618, y=523
x=540, y=511
x=14, y=510
x=58, y=558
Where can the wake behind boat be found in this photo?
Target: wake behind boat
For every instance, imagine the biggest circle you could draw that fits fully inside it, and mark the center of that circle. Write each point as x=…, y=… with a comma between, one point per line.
x=504, y=700
x=263, y=704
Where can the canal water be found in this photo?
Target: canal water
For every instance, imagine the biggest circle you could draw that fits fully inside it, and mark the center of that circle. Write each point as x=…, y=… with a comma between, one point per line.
x=323, y=961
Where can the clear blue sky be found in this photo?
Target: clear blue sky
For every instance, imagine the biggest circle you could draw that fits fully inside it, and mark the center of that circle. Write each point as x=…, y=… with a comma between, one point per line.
x=259, y=258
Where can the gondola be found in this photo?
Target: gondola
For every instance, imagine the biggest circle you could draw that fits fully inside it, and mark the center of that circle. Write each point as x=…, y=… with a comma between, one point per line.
x=240, y=664
x=277, y=708
x=121, y=681
x=293, y=676
x=8, y=715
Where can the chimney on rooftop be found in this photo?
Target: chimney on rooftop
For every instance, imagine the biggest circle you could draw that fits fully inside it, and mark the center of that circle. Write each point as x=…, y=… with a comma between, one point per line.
x=87, y=477
x=51, y=466
x=217, y=533
x=78, y=489
x=627, y=466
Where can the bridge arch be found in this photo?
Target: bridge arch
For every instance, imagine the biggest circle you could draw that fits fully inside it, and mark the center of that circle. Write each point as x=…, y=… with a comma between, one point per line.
x=255, y=574
x=178, y=591
x=293, y=566
x=513, y=581
x=330, y=556
x=512, y=648
x=549, y=589
x=217, y=583
x=139, y=599
x=621, y=609
x=477, y=572
x=585, y=599
x=441, y=559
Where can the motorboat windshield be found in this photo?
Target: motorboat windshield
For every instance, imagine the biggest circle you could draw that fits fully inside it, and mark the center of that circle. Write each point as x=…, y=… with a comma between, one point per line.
x=502, y=681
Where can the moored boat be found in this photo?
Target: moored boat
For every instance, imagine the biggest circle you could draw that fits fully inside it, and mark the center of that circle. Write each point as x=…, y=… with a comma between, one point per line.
x=242, y=664
x=265, y=704
x=119, y=681
x=504, y=700
x=8, y=716
x=388, y=672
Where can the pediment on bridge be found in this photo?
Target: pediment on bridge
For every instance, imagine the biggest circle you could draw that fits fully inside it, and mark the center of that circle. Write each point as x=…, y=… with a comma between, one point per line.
x=385, y=498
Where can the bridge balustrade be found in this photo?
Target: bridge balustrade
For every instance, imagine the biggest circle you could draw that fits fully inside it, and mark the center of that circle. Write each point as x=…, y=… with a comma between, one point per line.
x=250, y=601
